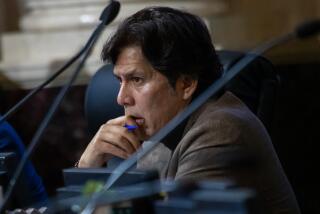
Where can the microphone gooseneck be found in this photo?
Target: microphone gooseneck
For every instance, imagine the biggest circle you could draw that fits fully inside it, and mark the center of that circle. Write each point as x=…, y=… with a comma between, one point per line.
x=35, y=140
x=303, y=31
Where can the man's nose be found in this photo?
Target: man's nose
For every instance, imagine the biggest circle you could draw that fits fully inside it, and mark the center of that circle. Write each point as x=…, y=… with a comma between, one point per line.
x=124, y=96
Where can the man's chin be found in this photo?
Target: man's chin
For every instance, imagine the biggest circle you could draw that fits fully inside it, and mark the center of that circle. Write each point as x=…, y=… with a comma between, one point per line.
x=147, y=134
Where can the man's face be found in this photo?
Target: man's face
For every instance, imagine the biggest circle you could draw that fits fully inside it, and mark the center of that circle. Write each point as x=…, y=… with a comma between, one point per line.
x=146, y=94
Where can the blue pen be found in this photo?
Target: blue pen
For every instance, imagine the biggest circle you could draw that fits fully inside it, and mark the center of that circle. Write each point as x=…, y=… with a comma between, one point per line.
x=130, y=127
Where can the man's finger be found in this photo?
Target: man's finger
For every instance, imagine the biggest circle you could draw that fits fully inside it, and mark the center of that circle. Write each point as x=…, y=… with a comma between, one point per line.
x=111, y=149
x=118, y=135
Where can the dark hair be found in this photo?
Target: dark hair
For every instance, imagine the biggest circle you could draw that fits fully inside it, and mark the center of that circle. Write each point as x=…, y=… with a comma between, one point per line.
x=174, y=42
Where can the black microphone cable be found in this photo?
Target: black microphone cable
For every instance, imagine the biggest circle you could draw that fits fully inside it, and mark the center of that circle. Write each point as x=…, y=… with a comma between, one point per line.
x=302, y=31
x=107, y=16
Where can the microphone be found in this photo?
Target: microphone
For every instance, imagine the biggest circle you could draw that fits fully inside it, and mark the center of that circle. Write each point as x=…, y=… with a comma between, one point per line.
x=308, y=29
x=107, y=17
x=302, y=31
x=110, y=12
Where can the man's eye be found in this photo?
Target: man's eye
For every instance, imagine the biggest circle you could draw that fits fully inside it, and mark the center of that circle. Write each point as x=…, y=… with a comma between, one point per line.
x=119, y=79
x=136, y=79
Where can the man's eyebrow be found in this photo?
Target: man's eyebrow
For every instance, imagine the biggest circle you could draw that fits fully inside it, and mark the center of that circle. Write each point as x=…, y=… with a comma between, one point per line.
x=129, y=73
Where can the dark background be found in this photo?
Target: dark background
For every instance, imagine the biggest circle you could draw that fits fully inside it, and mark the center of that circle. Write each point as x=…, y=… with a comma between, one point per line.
x=296, y=133
x=65, y=138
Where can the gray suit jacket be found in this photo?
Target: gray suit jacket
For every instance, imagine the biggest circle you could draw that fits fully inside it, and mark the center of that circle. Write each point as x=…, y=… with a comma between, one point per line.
x=224, y=140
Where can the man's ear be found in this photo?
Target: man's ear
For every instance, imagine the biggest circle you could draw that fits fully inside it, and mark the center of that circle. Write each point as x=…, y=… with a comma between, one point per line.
x=187, y=86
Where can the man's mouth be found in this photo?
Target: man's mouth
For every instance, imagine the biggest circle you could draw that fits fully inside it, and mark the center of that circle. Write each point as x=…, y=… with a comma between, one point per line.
x=139, y=120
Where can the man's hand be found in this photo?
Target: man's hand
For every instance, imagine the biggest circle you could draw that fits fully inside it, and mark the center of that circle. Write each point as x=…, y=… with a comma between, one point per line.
x=112, y=139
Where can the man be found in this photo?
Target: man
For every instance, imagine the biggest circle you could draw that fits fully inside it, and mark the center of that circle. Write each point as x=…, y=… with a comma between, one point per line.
x=163, y=59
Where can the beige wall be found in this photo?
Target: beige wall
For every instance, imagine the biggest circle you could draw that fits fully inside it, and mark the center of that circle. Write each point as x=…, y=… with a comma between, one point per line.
x=245, y=24
x=235, y=25
x=248, y=23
